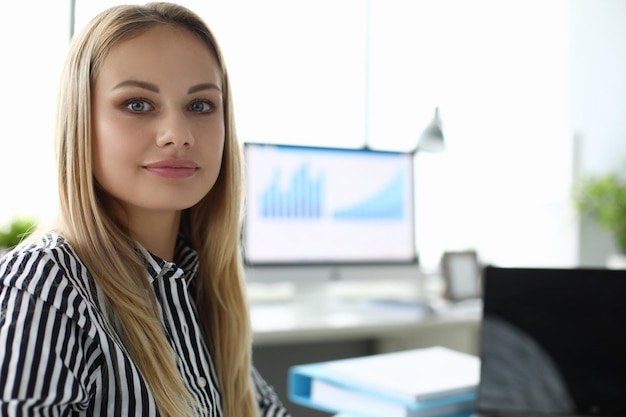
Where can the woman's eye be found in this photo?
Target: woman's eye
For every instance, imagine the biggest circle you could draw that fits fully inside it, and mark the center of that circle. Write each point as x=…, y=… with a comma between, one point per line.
x=138, y=105
x=202, y=106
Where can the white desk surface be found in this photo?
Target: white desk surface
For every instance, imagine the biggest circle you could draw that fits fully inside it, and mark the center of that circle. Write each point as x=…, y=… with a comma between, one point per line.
x=338, y=317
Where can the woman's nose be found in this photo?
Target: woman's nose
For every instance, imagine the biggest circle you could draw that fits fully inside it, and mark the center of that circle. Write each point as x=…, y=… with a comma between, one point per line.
x=175, y=131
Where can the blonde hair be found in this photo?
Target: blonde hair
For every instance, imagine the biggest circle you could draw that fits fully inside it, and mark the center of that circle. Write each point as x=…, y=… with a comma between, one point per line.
x=212, y=226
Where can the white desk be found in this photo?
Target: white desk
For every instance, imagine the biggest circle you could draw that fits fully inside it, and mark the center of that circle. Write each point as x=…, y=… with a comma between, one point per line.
x=355, y=311
x=342, y=323
x=394, y=327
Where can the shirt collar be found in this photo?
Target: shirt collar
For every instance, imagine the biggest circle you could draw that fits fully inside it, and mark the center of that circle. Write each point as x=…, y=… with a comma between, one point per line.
x=185, y=265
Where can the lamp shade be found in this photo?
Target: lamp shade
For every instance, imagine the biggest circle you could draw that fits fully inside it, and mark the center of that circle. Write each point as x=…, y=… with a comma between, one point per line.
x=432, y=139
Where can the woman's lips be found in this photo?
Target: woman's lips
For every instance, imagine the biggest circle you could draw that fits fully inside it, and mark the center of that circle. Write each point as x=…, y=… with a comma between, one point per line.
x=173, y=168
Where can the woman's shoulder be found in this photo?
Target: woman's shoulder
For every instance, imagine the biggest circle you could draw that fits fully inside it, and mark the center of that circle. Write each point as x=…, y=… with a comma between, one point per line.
x=46, y=278
x=45, y=268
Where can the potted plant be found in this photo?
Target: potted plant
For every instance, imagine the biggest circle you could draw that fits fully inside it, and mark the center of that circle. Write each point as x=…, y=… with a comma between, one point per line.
x=15, y=231
x=603, y=199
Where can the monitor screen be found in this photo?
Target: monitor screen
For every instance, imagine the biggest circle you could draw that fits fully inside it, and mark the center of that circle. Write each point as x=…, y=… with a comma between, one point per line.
x=313, y=205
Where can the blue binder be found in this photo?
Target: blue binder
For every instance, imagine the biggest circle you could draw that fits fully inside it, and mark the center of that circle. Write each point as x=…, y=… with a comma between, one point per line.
x=302, y=377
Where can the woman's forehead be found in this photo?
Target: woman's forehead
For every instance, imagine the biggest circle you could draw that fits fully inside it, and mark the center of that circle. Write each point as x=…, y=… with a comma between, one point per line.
x=162, y=53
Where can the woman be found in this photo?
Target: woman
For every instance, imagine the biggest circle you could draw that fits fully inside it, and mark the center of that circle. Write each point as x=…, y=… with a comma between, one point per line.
x=135, y=306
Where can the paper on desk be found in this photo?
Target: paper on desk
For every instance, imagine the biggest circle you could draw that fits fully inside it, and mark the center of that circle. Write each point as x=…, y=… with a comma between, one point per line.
x=415, y=375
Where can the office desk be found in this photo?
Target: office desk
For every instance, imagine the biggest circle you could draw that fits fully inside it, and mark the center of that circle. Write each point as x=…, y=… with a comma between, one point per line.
x=288, y=323
x=288, y=333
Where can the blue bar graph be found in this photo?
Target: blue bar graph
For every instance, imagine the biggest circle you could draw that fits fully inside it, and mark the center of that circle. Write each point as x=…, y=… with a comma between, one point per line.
x=386, y=204
x=302, y=198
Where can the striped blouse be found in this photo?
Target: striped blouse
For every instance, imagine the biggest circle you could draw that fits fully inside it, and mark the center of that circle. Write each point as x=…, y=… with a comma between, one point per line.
x=59, y=356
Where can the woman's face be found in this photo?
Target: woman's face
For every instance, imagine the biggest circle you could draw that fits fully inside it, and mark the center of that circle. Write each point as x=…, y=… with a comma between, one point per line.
x=158, y=122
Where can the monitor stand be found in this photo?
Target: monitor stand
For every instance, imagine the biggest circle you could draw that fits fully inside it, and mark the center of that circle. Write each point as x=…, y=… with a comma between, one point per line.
x=324, y=286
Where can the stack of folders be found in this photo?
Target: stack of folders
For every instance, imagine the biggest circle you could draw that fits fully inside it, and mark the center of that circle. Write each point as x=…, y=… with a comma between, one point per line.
x=429, y=382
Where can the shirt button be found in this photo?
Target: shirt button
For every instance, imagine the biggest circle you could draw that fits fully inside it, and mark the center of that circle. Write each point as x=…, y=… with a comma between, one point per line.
x=201, y=381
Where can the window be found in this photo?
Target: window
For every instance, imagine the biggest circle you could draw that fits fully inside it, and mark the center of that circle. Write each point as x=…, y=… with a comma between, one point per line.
x=339, y=73
x=32, y=55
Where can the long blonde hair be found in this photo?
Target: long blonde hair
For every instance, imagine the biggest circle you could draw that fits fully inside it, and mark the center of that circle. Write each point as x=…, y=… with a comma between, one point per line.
x=212, y=226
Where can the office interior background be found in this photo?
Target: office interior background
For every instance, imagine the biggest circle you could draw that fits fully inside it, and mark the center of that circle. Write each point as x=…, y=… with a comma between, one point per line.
x=531, y=94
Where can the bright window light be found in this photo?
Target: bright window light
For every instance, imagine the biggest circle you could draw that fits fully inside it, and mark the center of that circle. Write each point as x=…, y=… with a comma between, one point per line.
x=328, y=73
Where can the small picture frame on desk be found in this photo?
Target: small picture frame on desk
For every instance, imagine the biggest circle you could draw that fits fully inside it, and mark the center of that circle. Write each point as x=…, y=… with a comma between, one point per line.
x=461, y=272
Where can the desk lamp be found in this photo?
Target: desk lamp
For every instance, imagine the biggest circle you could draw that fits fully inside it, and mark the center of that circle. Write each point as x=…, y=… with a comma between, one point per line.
x=431, y=139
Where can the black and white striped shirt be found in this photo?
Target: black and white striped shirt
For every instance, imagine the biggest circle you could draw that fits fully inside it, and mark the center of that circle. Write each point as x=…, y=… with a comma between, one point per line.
x=60, y=357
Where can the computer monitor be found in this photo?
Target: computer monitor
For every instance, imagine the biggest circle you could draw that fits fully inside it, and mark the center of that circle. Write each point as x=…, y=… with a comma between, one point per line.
x=319, y=206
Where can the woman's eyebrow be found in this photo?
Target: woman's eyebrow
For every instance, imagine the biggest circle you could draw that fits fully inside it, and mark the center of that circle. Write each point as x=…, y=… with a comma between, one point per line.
x=201, y=87
x=137, y=83
x=153, y=87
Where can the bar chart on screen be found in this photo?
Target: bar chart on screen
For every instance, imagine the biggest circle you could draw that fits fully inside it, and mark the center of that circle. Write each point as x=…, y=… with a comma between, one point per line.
x=304, y=197
x=336, y=204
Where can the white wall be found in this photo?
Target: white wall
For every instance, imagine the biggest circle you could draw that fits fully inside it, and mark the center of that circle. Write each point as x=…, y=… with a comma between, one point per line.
x=597, y=102
x=502, y=186
x=513, y=142
x=33, y=40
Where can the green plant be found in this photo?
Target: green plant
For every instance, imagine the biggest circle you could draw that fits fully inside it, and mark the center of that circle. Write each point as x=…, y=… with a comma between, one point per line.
x=603, y=200
x=17, y=230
